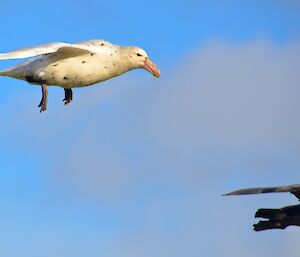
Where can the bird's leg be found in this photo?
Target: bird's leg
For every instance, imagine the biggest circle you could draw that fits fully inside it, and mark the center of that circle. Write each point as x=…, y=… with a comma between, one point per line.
x=44, y=101
x=68, y=95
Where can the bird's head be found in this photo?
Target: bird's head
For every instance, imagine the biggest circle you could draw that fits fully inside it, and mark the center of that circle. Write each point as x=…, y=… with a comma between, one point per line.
x=140, y=59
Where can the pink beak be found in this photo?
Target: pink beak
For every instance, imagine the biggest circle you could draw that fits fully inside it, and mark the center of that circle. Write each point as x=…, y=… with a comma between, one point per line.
x=151, y=67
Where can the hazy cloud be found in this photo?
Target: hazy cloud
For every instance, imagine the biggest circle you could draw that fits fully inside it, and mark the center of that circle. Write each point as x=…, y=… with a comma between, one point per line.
x=163, y=151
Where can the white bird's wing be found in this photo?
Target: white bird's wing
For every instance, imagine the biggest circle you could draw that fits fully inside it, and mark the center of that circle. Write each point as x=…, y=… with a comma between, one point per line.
x=63, y=50
x=294, y=189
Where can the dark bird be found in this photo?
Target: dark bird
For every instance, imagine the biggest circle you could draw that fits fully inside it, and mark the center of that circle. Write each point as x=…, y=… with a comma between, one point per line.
x=275, y=218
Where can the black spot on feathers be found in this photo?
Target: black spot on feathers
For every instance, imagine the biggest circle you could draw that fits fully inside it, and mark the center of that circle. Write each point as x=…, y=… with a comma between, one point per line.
x=29, y=78
x=33, y=79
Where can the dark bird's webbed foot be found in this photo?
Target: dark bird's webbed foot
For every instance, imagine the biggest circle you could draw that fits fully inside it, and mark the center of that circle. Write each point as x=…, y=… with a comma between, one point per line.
x=68, y=96
x=278, y=218
x=44, y=101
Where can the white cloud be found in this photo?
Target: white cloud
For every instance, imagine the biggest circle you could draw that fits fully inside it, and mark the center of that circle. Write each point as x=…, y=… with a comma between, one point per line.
x=225, y=117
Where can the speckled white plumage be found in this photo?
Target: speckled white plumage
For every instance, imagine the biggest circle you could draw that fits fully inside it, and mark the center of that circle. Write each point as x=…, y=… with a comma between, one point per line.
x=73, y=65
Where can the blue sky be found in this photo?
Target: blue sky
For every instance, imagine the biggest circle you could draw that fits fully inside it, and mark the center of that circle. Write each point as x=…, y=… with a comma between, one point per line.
x=136, y=166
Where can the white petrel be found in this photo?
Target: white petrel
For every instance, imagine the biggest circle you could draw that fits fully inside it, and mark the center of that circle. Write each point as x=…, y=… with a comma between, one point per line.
x=75, y=65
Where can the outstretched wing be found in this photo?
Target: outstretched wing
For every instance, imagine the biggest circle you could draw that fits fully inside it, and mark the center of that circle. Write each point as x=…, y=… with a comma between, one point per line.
x=294, y=189
x=62, y=49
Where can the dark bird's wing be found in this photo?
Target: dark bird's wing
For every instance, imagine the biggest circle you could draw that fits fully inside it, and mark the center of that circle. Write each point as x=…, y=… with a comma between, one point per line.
x=294, y=189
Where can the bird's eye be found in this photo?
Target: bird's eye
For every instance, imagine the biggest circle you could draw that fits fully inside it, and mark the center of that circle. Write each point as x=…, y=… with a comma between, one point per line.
x=139, y=55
